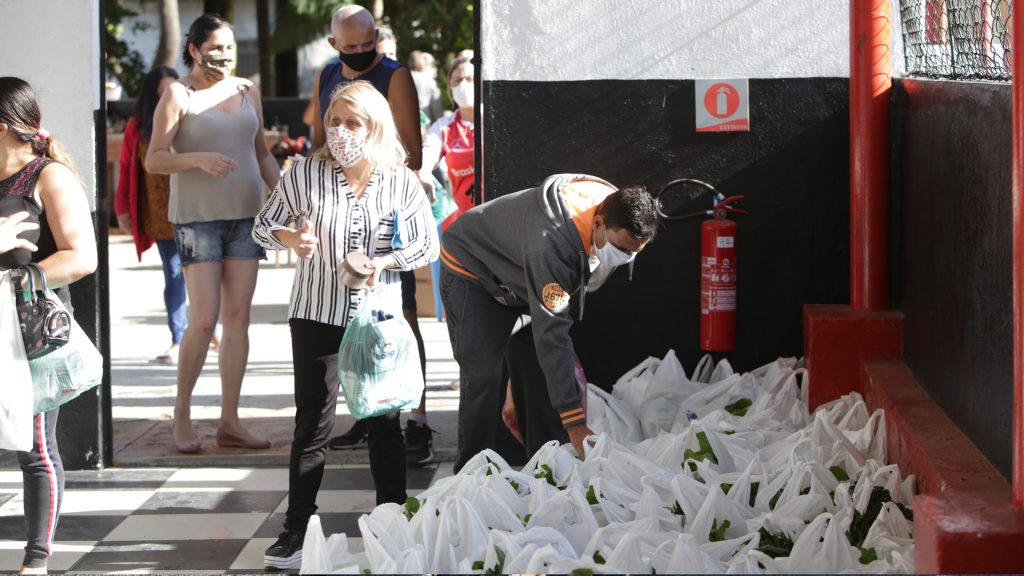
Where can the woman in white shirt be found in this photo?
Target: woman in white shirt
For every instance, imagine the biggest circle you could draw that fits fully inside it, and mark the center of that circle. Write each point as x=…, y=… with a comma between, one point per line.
x=348, y=197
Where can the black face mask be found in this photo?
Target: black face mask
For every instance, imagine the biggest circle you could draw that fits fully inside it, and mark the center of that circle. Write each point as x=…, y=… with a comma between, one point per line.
x=358, y=61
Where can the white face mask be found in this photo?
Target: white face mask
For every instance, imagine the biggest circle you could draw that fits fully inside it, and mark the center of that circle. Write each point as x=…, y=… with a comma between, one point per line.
x=462, y=93
x=604, y=260
x=346, y=146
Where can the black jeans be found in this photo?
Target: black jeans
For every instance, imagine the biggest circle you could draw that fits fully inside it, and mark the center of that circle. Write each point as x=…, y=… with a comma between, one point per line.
x=539, y=422
x=316, y=397
x=479, y=328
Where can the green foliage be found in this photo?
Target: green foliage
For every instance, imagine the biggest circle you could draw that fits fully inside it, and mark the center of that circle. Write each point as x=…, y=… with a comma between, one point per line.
x=774, y=500
x=717, y=533
x=775, y=545
x=839, y=473
x=546, y=473
x=499, y=568
x=598, y=559
x=704, y=453
x=754, y=487
x=678, y=511
x=862, y=522
x=119, y=60
x=739, y=407
x=868, y=555
x=412, y=506
x=725, y=487
x=591, y=496
x=582, y=571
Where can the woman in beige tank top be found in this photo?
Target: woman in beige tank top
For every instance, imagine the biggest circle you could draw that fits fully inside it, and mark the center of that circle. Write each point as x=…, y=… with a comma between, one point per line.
x=208, y=135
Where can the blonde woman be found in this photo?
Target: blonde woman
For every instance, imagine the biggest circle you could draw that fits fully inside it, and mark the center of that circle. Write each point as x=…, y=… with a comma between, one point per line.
x=352, y=195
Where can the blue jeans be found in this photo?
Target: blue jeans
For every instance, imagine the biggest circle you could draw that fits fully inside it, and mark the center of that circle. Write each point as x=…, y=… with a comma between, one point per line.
x=174, y=289
x=216, y=241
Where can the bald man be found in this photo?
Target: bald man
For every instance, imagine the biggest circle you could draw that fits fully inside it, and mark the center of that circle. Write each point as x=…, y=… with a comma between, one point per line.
x=354, y=36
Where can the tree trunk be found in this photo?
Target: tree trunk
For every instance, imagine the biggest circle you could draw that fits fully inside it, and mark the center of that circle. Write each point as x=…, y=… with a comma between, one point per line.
x=170, y=35
x=267, y=85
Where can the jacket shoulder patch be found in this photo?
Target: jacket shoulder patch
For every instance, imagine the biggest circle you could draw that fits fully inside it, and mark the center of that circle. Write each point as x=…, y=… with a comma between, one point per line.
x=555, y=298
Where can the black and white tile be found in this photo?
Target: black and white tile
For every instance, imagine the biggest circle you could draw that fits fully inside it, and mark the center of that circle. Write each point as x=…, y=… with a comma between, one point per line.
x=203, y=520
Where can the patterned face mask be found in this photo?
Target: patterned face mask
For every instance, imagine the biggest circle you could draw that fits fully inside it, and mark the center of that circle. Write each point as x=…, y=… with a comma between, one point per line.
x=216, y=66
x=346, y=146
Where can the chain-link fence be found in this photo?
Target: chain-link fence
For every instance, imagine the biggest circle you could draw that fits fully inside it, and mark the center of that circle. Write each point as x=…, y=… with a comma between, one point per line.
x=958, y=38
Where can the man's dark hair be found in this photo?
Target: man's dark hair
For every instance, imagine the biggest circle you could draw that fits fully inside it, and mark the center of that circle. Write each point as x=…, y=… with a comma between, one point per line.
x=633, y=209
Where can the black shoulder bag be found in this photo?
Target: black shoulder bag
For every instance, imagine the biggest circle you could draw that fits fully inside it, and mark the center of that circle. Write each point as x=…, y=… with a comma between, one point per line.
x=45, y=323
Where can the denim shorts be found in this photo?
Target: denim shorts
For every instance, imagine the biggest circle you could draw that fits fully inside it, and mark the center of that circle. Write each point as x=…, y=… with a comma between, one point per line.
x=216, y=241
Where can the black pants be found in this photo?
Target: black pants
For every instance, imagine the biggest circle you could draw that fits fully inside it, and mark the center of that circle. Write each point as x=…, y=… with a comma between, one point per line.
x=539, y=422
x=316, y=397
x=42, y=476
x=480, y=329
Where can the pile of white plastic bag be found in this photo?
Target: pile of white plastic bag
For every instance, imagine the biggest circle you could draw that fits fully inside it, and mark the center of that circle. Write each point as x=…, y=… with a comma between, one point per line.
x=713, y=473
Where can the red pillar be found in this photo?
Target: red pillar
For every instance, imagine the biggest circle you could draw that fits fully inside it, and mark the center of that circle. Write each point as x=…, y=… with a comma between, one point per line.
x=870, y=87
x=1018, y=262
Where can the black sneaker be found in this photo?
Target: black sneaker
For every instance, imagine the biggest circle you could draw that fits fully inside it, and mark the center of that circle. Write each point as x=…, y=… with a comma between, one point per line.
x=286, y=553
x=419, y=444
x=354, y=438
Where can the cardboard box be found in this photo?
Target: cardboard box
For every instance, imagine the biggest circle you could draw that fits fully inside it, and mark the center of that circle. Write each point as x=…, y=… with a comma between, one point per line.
x=425, y=294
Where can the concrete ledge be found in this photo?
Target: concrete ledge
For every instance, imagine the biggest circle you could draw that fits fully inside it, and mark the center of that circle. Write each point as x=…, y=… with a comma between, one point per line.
x=964, y=519
x=837, y=338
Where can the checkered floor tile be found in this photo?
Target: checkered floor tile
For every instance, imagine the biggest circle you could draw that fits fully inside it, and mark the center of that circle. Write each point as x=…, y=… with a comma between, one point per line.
x=202, y=520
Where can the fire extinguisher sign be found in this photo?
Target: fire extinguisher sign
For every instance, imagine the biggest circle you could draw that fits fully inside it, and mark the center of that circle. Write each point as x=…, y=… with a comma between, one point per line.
x=722, y=105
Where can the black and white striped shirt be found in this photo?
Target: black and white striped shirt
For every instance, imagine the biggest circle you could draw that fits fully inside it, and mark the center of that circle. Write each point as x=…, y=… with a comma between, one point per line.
x=317, y=190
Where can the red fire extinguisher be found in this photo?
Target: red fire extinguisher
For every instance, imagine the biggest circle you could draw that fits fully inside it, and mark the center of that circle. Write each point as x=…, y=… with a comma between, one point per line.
x=717, y=264
x=718, y=277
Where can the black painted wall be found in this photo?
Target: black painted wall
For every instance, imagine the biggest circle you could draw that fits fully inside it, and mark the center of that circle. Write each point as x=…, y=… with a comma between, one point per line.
x=953, y=172
x=793, y=167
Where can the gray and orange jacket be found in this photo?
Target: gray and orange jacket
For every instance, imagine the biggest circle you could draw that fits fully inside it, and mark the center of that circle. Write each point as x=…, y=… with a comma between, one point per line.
x=530, y=249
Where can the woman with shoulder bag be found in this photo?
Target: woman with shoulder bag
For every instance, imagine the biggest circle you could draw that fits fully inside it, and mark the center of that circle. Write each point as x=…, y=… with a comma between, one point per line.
x=38, y=178
x=141, y=204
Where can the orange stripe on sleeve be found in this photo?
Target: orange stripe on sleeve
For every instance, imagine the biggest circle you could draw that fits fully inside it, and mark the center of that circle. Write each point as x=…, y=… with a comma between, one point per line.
x=454, y=264
x=571, y=412
x=578, y=417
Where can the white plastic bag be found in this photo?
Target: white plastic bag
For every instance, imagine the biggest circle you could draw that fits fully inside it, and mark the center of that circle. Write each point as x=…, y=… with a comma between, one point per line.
x=461, y=536
x=822, y=548
x=631, y=387
x=569, y=513
x=386, y=534
x=612, y=416
x=668, y=388
x=16, y=403
x=326, y=555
